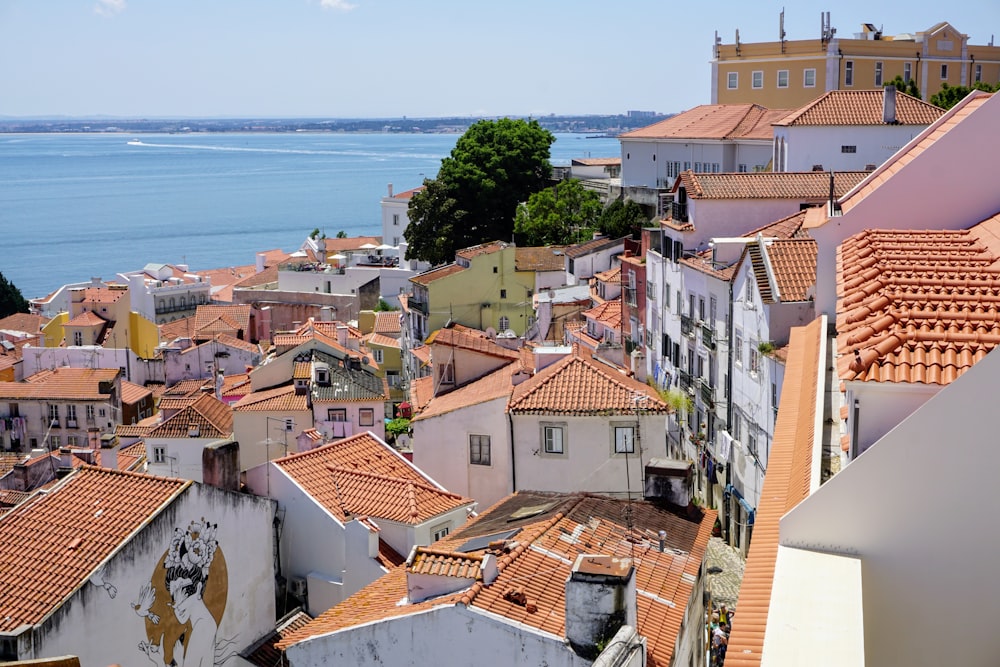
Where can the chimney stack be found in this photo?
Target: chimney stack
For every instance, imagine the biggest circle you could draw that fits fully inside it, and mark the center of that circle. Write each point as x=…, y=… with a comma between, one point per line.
x=390, y=191
x=889, y=105
x=600, y=599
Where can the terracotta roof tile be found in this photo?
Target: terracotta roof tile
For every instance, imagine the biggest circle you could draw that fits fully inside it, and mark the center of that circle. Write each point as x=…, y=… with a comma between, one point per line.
x=793, y=262
x=809, y=185
x=133, y=393
x=592, y=246
x=481, y=249
x=103, y=294
x=578, y=385
x=917, y=306
x=236, y=385
x=540, y=258
x=469, y=339
x=363, y=476
x=62, y=383
x=271, y=400
x=213, y=418
x=210, y=320
x=407, y=194
x=87, y=318
x=597, y=161
x=427, y=560
x=612, y=275
x=388, y=323
x=421, y=392
x=381, y=340
x=714, y=121
x=608, y=313
x=52, y=543
x=430, y=276
x=488, y=388
x=266, y=653
x=785, y=485
x=333, y=245
x=538, y=562
x=187, y=388
x=23, y=322
x=861, y=107
x=182, y=328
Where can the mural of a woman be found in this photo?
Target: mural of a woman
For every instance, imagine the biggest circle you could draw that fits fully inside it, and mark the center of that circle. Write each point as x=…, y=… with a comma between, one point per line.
x=185, y=599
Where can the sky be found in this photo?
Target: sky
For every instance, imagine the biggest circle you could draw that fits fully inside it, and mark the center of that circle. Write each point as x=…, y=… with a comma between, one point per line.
x=393, y=58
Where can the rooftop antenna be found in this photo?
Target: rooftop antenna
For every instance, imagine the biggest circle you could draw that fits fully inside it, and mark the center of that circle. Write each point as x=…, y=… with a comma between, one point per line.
x=737, y=41
x=781, y=29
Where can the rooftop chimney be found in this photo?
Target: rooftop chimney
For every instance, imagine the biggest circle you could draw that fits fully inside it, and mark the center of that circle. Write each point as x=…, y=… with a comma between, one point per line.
x=889, y=105
x=600, y=599
x=390, y=190
x=342, y=334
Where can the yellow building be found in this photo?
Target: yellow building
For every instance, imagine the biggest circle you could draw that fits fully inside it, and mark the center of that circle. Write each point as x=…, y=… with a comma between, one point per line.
x=787, y=74
x=102, y=316
x=482, y=289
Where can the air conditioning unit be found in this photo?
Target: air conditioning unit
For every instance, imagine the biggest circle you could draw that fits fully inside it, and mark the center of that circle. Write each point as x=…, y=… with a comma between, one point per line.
x=297, y=587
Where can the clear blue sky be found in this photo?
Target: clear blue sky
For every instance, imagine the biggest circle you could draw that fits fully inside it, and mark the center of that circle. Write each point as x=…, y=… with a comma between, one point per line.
x=389, y=58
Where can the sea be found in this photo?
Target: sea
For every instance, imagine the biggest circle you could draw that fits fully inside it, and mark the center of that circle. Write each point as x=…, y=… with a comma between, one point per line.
x=77, y=206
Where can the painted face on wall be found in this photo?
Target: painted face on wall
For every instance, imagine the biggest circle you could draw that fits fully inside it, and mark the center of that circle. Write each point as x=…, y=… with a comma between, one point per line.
x=182, y=601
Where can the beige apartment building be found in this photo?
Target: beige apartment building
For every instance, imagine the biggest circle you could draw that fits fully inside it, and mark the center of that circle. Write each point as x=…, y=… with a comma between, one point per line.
x=787, y=74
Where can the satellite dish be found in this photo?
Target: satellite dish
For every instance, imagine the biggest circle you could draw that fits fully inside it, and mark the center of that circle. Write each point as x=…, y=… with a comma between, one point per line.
x=508, y=333
x=491, y=333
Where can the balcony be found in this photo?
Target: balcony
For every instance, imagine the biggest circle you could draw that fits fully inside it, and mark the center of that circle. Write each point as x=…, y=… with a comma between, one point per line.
x=685, y=379
x=707, y=336
x=162, y=310
x=419, y=306
x=679, y=211
x=687, y=326
x=707, y=392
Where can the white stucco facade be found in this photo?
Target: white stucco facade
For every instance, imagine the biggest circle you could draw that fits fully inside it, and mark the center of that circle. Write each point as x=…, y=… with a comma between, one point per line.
x=136, y=369
x=840, y=147
x=656, y=163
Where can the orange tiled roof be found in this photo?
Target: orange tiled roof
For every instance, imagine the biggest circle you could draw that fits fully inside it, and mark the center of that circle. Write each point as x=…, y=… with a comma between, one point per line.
x=430, y=276
x=362, y=476
x=861, y=107
x=481, y=249
x=427, y=560
x=335, y=245
x=236, y=343
x=542, y=258
x=597, y=161
x=539, y=565
x=809, y=185
x=103, y=294
x=487, y=388
x=51, y=544
x=785, y=486
x=466, y=338
x=211, y=319
x=578, y=385
x=328, y=329
x=608, y=313
x=61, y=383
x=613, y=275
x=714, y=121
x=236, y=385
x=267, y=276
x=388, y=323
x=213, y=418
x=421, y=392
x=274, y=399
x=87, y=318
x=917, y=306
x=130, y=458
x=407, y=194
x=925, y=140
x=301, y=370
x=704, y=262
x=786, y=228
x=133, y=393
x=422, y=354
x=182, y=328
x=23, y=322
x=592, y=246
x=381, y=340
x=266, y=653
x=578, y=331
x=139, y=430
x=187, y=387
x=794, y=264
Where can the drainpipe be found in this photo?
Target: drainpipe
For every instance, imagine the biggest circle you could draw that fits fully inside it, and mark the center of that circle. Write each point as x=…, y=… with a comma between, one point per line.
x=513, y=463
x=729, y=394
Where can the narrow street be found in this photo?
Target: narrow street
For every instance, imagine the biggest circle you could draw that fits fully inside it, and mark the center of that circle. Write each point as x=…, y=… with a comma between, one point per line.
x=724, y=586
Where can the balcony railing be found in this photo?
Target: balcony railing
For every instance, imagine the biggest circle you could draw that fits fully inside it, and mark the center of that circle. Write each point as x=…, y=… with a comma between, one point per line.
x=685, y=379
x=160, y=310
x=679, y=211
x=687, y=325
x=707, y=336
x=707, y=392
x=419, y=306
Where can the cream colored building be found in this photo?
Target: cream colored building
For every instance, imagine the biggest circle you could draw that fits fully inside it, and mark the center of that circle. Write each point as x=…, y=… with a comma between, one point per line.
x=789, y=73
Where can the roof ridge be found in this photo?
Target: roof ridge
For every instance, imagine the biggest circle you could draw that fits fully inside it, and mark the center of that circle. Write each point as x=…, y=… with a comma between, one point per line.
x=391, y=478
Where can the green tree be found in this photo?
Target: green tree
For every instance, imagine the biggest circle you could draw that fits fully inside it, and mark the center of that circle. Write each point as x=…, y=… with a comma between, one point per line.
x=908, y=87
x=621, y=218
x=949, y=96
x=384, y=306
x=558, y=215
x=11, y=299
x=494, y=166
x=341, y=234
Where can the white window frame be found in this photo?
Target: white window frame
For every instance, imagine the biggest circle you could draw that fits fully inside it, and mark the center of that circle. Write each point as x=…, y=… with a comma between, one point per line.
x=504, y=323
x=476, y=452
x=849, y=73
x=623, y=438
x=809, y=77
x=907, y=72
x=377, y=355
x=738, y=348
x=782, y=78
x=440, y=531
x=757, y=79
x=159, y=454
x=448, y=373
x=754, y=356
x=978, y=76
x=732, y=80
x=554, y=439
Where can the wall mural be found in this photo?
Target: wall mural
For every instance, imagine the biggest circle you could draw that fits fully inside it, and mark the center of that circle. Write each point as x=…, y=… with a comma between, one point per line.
x=184, y=600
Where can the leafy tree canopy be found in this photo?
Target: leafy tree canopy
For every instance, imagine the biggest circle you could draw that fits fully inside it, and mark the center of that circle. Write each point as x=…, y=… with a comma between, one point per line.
x=341, y=234
x=908, y=87
x=384, y=306
x=11, y=299
x=949, y=96
x=621, y=218
x=494, y=166
x=560, y=215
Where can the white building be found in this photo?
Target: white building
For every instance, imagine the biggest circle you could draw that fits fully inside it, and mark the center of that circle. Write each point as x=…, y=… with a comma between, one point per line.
x=395, y=215
x=175, y=447
x=122, y=542
x=166, y=292
x=352, y=510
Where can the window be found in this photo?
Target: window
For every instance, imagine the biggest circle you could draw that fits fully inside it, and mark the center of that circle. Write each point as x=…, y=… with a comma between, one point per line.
x=71, y=416
x=624, y=439
x=378, y=355
x=738, y=348
x=78, y=338
x=439, y=532
x=752, y=440
x=552, y=439
x=72, y=441
x=479, y=450
x=907, y=72
x=782, y=78
x=336, y=415
x=848, y=149
x=737, y=425
x=495, y=270
x=159, y=454
x=749, y=292
x=758, y=80
x=504, y=323
x=650, y=290
x=944, y=71
x=395, y=219
x=101, y=413
x=849, y=73
x=697, y=167
x=54, y=442
x=687, y=166
x=701, y=308
x=979, y=73
x=774, y=397
x=366, y=417
x=809, y=78
x=754, y=357
x=503, y=294
x=54, y=414
x=878, y=72
x=448, y=373
x=733, y=80
x=742, y=169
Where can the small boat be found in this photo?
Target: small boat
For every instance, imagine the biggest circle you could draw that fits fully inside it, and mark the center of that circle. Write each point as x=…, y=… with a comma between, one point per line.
x=134, y=142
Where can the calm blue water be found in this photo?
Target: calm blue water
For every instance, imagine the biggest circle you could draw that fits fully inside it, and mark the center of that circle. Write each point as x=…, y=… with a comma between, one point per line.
x=74, y=206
